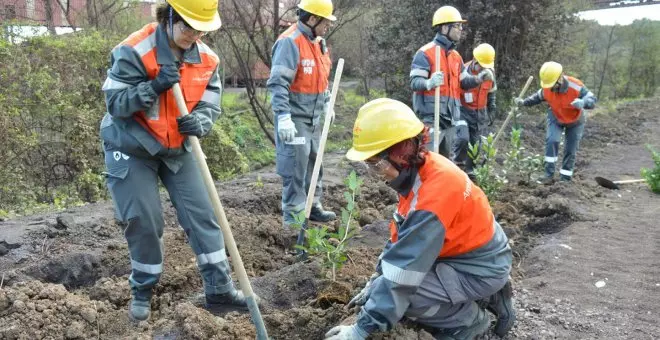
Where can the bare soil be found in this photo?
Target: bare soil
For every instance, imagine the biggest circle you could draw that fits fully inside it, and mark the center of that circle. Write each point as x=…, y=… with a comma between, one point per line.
x=64, y=275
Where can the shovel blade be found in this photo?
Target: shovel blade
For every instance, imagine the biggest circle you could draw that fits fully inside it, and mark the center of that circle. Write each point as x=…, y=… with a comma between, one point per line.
x=604, y=182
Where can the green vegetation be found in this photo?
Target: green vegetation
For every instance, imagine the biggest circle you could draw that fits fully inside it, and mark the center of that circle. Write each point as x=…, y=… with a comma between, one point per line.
x=332, y=246
x=487, y=177
x=652, y=176
x=517, y=162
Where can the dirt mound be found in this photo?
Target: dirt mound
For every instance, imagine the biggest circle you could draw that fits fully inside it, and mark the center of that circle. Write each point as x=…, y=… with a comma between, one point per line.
x=36, y=310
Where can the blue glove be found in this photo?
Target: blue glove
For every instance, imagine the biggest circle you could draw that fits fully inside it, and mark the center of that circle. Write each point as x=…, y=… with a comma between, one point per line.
x=437, y=79
x=352, y=332
x=285, y=128
x=190, y=125
x=166, y=78
x=578, y=103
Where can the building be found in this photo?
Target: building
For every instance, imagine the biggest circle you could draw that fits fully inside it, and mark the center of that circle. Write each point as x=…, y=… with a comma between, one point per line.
x=64, y=13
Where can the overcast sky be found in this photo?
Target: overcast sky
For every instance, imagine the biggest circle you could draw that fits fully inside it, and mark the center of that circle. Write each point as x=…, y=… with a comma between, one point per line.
x=622, y=16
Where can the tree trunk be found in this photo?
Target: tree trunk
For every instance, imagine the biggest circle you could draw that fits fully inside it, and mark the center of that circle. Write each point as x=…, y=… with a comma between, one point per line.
x=50, y=21
x=607, y=57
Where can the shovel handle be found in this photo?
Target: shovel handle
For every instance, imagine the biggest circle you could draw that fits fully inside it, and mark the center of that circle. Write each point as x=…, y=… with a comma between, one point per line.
x=628, y=181
x=222, y=219
x=513, y=110
x=324, y=137
x=436, y=111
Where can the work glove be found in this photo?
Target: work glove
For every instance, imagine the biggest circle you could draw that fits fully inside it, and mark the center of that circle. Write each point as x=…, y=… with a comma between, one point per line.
x=486, y=74
x=437, y=79
x=190, y=125
x=578, y=103
x=352, y=332
x=285, y=128
x=361, y=298
x=166, y=78
x=518, y=101
x=332, y=116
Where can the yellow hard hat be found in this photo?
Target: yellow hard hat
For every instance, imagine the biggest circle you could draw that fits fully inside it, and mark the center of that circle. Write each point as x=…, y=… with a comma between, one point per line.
x=201, y=15
x=380, y=124
x=446, y=15
x=485, y=55
x=549, y=74
x=322, y=8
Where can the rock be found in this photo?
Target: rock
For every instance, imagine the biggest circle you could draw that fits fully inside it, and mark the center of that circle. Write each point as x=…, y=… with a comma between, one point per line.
x=64, y=222
x=88, y=314
x=19, y=306
x=5, y=247
x=75, y=331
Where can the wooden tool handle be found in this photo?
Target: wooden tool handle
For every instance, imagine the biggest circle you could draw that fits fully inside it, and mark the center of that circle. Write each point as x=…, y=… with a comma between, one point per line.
x=324, y=137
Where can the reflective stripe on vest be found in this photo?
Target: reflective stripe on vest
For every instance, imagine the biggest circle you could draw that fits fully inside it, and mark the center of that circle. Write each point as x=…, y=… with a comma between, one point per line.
x=451, y=66
x=476, y=98
x=560, y=103
x=313, y=66
x=462, y=208
x=160, y=119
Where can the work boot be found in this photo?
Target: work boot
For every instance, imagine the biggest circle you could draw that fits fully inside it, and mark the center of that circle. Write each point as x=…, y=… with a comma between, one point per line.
x=479, y=327
x=501, y=304
x=319, y=215
x=233, y=301
x=547, y=181
x=139, y=310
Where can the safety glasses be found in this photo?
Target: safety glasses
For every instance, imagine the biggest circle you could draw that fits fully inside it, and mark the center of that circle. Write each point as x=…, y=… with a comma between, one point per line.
x=189, y=31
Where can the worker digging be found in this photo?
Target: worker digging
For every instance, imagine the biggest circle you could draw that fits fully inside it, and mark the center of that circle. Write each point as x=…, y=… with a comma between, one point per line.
x=567, y=98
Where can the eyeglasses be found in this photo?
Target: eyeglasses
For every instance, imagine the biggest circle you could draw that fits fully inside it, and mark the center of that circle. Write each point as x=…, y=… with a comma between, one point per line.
x=189, y=31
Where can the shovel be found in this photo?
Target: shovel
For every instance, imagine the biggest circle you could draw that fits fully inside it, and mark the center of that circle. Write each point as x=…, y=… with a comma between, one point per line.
x=319, y=156
x=604, y=182
x=224, y=224
x=436, y=111
x=513, y=110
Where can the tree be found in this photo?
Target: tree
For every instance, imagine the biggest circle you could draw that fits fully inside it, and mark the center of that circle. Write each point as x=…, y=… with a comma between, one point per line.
x=522, y=41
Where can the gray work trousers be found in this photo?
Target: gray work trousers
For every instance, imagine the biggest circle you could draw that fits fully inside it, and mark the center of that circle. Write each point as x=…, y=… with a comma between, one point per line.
x=133, y=184
x=446, y=137
x=470, y=134
x=446, y=298
x=553, y=134
x=295, y=164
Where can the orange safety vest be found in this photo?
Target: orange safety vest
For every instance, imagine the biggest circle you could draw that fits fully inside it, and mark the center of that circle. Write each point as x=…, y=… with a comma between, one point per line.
x=194, y=79
x=443, y=189
x=476, y=98
x=560, y=103
x=313, y=66
x=451, y=65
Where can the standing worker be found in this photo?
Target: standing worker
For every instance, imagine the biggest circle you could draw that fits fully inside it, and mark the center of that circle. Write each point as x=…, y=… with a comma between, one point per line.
x=477, y=107
x=567, y=97
x=425, y=76
x=143, y=141
x=446, y=251
x=299, y=96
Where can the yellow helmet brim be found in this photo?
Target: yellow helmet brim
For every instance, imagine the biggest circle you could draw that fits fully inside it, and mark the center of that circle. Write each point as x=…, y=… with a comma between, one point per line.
x=203, y=26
